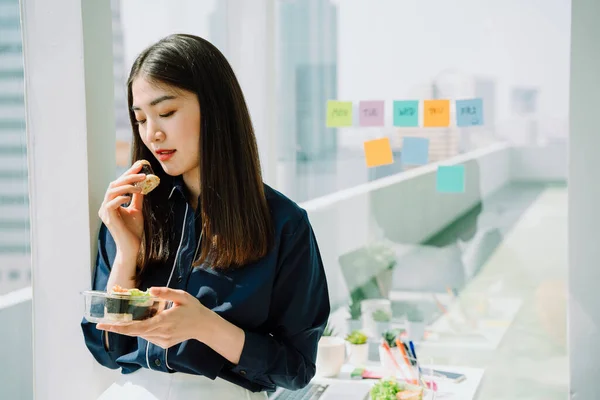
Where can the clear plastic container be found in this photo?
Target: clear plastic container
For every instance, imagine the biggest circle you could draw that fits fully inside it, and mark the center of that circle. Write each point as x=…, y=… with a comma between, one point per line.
x=103, y=307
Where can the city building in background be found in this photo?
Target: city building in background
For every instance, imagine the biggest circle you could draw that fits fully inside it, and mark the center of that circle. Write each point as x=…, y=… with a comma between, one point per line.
x=15, y=263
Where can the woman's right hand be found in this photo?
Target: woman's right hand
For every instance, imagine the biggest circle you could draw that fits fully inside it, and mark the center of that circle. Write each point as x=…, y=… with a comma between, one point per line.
x=126, y=224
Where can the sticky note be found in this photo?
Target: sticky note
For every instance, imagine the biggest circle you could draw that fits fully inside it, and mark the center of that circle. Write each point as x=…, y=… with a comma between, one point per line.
x=339, y=113
x=415, y=151
x=406, y=113
x=378, y=152
x=450, y=179
x=469, y=112
x=370, y=113
x=436, y=113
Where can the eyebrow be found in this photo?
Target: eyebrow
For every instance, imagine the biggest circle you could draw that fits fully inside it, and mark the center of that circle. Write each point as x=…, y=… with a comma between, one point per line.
x=156, y=101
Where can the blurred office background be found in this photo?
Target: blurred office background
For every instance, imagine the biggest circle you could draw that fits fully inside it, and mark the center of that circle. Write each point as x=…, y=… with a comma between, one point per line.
x=500, y=245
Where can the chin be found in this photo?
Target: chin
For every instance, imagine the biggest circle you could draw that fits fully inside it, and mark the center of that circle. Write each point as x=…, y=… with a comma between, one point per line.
x=171, y=170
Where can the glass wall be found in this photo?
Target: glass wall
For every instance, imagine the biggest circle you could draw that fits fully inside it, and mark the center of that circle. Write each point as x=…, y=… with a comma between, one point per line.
x=464, y=239
x=14, y=205
x=15, y=257
x=136, y=25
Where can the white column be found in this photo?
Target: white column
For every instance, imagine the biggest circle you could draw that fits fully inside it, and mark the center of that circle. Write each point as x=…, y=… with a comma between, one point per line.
x=584, y=202
x=71, y=155
x=251, y=52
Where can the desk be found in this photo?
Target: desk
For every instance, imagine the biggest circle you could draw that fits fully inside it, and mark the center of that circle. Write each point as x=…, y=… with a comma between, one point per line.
x=447, y=390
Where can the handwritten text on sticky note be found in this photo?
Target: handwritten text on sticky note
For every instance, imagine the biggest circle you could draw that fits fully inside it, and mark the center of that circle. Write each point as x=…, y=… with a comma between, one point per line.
x=469, y=112
x=450, y=179
x=371, y=113
x=339, y=113
x=406, y=113
x=436, y=113
x=378, y=152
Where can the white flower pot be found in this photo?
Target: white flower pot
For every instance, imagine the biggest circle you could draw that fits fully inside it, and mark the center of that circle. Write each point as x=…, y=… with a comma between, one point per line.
x=358, y=354
x=331, y=355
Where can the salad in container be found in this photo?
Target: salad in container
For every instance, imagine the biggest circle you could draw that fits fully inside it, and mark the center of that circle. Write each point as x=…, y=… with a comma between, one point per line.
x=120, y=305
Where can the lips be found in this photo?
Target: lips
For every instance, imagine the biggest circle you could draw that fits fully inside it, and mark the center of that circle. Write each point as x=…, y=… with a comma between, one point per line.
x=164, y=154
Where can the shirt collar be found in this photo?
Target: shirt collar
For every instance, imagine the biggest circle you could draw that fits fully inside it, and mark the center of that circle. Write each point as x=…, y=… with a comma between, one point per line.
x=178, y=186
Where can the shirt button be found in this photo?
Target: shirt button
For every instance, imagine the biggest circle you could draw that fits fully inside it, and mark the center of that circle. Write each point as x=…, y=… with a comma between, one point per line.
x=242, y=372
x=179, y=279
x=157, y=362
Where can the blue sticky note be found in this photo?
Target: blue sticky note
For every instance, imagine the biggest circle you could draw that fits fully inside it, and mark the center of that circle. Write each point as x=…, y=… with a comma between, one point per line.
x=415, y=151
x=450, y=179
x=469, y=112
x=406, y=113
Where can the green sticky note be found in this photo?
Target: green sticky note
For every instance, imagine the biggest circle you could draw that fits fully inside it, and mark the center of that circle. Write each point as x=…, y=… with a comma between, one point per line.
x=450, y=179
x=406, y=113
x=339, y=113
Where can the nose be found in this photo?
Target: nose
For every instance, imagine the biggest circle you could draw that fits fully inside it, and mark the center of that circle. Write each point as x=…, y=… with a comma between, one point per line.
x=154, y=132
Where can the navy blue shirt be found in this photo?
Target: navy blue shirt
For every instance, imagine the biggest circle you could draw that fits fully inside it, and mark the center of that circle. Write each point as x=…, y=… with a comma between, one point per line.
x=281, y=302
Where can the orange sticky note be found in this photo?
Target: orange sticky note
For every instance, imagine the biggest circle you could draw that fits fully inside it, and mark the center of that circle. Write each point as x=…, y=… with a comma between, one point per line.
x=378, y=152
x=436, y=113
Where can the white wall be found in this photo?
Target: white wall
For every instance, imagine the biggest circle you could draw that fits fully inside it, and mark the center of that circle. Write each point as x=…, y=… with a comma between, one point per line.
x=390, y=49
x=584, y=195
x=546, y=163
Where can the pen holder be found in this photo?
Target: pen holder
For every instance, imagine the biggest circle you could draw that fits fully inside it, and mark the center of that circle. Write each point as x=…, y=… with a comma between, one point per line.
x=409, y=371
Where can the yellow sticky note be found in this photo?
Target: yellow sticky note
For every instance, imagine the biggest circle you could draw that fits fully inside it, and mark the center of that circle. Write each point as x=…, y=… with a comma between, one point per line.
x=436, y=113
x=378, y=152
x=339, y=113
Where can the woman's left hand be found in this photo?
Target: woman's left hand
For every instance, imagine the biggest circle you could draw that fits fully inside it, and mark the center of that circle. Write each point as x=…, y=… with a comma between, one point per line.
x=179, y=323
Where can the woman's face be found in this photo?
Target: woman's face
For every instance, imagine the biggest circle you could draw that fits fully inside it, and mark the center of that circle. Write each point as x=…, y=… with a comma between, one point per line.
x=169, y=124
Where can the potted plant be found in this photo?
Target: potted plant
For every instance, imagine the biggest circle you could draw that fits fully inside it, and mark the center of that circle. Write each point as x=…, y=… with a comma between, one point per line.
x=389, y=337
x=415, y=324
x=382, y=320
x=359, y=349
x=329, y=331
x=354, y=322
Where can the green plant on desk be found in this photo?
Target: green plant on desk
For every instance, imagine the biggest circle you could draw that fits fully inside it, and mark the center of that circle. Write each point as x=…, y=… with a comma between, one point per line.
x=354, y=310
x=356, y=337
x=329, y=331
x=390, y=336
x=381, y=316
x=415, y=315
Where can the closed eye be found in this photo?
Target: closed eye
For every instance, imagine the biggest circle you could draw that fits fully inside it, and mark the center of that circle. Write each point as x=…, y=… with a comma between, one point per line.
x=140, y=122
x=167, y=114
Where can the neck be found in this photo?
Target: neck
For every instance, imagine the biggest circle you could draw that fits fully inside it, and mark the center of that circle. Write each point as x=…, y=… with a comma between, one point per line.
x=192, y=183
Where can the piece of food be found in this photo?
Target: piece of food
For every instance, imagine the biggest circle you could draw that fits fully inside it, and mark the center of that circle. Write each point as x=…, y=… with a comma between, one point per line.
x=126, y=305
x=116, y=306
x=151, y=181
x=410, y=395
x=141, y=305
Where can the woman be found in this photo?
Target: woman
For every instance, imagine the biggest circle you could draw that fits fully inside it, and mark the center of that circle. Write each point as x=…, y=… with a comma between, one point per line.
x=238, y=259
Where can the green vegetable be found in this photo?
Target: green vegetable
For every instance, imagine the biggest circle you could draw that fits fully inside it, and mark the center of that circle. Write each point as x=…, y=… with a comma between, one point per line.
x=329, y=331
x=385, y=389
x=138, y=293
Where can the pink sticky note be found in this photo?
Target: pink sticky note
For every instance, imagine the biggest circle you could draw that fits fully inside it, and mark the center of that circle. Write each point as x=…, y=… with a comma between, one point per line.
x=370, y=113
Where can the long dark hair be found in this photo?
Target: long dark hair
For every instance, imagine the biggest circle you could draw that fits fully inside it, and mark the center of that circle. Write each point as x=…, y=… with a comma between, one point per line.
x=236, y=221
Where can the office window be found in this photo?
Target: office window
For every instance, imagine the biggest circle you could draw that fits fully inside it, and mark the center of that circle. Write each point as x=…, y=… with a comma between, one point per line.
x=15, y=265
